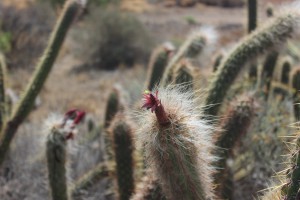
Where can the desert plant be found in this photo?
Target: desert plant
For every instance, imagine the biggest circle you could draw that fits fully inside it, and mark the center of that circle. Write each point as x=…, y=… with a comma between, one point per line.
x=252, y=15
x=264, y=38
x=42, y=70
x=177, y=144
x=59, y=133
x=217, y=62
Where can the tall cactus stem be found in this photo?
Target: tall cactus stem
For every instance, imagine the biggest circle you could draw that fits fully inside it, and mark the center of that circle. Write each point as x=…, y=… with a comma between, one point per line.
x=252, y=15
x=2, y=90
x=43, y=68
x=262, y=39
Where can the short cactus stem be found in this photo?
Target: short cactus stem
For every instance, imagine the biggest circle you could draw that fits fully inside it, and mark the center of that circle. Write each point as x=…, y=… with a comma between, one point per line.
x=123, y=150
x=252, y=15
x=157, y=64
x=56, y=153
x=233, y=128
x=149, y=189
x=113, y=106
x=175, y=139
x=260, y=40
x=217, y=62
x=268, y=70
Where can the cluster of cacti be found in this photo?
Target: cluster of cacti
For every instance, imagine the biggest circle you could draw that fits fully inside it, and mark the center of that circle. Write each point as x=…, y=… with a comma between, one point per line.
x=196, y=147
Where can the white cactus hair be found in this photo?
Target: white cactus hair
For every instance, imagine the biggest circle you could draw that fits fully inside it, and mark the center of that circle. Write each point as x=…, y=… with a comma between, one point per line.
x=190, y=137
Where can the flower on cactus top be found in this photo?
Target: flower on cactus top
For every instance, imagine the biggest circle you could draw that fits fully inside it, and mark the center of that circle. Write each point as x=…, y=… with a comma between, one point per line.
x=151, y=101
x=70, y=120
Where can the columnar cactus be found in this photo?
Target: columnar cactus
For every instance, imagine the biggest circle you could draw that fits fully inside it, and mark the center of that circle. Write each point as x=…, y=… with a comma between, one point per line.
x=56, y=153
x=285, y=65
x=2, y=89
x=217, y=62
x=43, y=68
x=252, y=15
x=157, y=64
x=268, y=69
x=234, y=126
x=264, y=38
x=295, y=84
x=190, y=49
x=123, y=149
x=178, y=144
x=112, y=107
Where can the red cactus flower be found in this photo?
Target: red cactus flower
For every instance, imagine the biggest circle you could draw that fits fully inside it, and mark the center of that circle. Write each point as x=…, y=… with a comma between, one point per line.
x=76, y=116
x=154, y=104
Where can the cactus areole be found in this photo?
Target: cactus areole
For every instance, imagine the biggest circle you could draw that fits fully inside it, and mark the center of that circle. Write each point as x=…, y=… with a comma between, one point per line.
x=152, y=102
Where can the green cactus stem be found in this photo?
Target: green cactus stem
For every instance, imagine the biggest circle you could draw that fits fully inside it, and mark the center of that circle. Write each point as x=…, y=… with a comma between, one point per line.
x=56, y=153
x=264, y=38
x=252, y=15
x=2, y=90
x=190, y=49
x=123, y=150
x=43, y=68
x=184, y=74
x=217, y=62
x=234, y=126
x=112, y=107
x=157, y=64
x=93, y=176
x=285, y=65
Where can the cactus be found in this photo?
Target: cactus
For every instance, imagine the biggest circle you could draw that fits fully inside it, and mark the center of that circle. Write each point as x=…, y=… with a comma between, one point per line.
x=269, y=10
x=123, y=150
x=252, y=15
x=43, y=68
x=91, y=177
x=149, y=189
x=56, y=153
x=295, y=84
x=158, y=62
x=2, y=89
x=185, y=74
x=190, y=49
x=234, y=126
x=264, y=38
x=282, y=90
x=178, y=144
x=291, y=189
x=217, y=62
x=285, y=66
x=113, y=106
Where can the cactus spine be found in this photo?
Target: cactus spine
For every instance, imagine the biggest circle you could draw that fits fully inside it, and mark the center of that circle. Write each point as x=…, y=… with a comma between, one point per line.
x=177, y=144
x=257, y=42
x=252, y=15
x=43, y=68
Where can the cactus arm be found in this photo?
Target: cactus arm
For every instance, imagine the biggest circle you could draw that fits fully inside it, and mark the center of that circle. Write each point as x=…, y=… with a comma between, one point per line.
x=38, y=79
x=2, y=89
x=256, y=43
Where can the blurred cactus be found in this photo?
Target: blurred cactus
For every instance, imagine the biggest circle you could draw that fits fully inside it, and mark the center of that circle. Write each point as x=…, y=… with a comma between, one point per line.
x=252, y=15
x=285, y=65
x=56, y=153
x=269, y=10
x=158, y=62
x=42, y=70
x=177, y=144
x=234, y=126
x=268, y=69
x=123, y=150
x=149, y=189
x=192, y=47
x=266, y=37
x=281, y=90
x=217, y=61
x=3, y=77
x=295, y=84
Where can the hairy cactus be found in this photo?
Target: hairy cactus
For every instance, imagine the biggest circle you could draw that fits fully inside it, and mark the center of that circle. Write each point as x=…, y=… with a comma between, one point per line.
x=234, y=126
x=252, y=15
x=123, y=149
x=43, y=68
x=158, y=62
x=264, y=38
x=56, y=153
x=178, y=144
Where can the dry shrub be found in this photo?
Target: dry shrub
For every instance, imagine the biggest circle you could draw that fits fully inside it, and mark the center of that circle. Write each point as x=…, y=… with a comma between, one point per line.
x=110, y=38
x=29, y=29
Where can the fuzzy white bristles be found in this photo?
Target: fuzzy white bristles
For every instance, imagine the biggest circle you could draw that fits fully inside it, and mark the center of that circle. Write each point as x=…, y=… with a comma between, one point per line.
x=180, y=152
